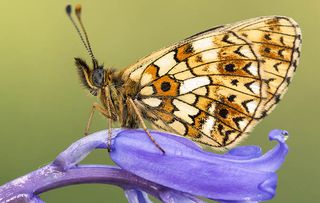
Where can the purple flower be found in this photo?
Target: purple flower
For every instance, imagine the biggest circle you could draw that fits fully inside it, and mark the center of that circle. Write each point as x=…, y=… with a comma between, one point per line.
x=242, y=174
x=184, y=172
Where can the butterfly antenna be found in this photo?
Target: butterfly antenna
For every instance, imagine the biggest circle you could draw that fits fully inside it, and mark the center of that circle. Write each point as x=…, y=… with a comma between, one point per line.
x=78, y=14
x=69, y=11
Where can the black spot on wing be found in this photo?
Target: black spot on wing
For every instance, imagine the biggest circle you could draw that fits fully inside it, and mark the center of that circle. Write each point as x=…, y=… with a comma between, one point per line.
x=220, y=128
x=280, y=53
x=277, y=98
x=244, y=104
x=239, y=52
x=267, y=50
x=226, y=39
x=235, y=82
x=282, y=41
x=165, y=86
x=230, y=67
x=245, y=68
x=223, y=113
x=199, y=59
x=267, y=36
x=231, y=98
x=247, y=85
x=267, y=81
x=288, y=80
x=276, y=66
x=295, y=65
x=237, y=121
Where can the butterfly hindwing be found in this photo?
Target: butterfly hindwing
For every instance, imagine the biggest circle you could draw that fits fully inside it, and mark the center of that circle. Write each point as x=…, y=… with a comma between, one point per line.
x=215, y=86
x=278, y=42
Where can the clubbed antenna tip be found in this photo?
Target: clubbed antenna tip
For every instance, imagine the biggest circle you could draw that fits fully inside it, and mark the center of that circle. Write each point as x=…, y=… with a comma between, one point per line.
x=85, y=42
x=78, y=10
x=68, y=9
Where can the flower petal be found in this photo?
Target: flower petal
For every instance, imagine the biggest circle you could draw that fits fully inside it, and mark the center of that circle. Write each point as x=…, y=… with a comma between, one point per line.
x=246, y=152
x=80, y=149
x=238, y=202
x=178, y=197
x=136, y=196
x=25, y=198
x=273, y=159
x=36, y=199
x=185, y=167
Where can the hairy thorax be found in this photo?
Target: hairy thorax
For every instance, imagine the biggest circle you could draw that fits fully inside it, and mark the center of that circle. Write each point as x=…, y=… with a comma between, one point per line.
x=116, y=94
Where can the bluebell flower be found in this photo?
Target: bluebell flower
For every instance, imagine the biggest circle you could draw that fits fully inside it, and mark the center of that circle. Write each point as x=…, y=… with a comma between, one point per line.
x=243, y=174
x=184, y=173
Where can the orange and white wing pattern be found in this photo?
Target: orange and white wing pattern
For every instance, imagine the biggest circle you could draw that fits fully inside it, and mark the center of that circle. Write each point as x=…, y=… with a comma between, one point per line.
x=215, y=86
x=278, y=42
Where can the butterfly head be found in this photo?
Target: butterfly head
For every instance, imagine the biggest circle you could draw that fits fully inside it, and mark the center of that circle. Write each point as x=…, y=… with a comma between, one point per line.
x=94, y=79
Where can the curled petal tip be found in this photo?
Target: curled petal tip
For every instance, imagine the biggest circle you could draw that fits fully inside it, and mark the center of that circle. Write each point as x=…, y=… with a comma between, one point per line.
x=279, y=135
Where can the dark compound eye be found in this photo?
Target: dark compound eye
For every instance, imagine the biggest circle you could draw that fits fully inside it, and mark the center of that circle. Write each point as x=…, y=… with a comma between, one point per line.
x=98, y=77
x=165, y=86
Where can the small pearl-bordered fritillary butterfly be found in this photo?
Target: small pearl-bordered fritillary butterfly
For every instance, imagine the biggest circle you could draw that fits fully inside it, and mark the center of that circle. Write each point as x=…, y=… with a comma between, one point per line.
x=212, y=87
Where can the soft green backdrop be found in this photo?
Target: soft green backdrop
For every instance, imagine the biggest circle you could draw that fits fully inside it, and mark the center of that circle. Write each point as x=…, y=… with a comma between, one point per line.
x=43, y=108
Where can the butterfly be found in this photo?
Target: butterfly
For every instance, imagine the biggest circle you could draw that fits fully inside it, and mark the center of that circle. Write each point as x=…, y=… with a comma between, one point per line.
x=212, y=87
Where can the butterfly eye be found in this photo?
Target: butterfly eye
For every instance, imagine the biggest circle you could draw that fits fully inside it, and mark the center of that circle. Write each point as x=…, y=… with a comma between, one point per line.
x=98, y=77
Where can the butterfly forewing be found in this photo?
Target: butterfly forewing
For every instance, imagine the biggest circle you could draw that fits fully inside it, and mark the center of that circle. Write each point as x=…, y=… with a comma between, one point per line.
x=213, y=87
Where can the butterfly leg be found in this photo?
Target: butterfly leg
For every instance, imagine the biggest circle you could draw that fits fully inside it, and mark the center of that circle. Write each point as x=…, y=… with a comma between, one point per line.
x=136, y=110
x=109, y=127
x=101, y=109
x=107, y=114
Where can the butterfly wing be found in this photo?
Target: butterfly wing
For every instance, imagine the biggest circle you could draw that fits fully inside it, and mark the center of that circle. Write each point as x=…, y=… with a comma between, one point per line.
x=215, y=86
x=278, y=42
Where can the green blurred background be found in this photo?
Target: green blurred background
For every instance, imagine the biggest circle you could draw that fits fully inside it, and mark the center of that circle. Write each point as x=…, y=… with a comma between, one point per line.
x=43, y=108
